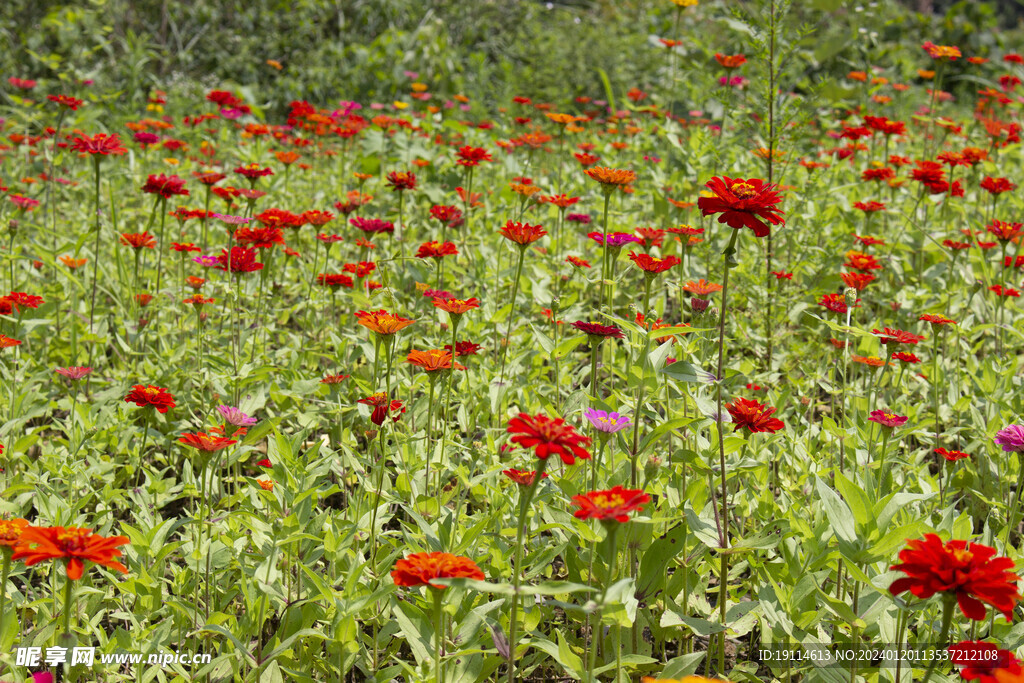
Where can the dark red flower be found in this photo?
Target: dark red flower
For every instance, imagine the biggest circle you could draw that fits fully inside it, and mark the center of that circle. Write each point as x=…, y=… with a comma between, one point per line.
x=165, y=186
x=242, y=260
x=752, y=415
x=598, y=330
x=743, y=203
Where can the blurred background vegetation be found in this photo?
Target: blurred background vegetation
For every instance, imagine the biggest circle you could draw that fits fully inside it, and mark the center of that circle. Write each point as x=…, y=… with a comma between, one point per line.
x=489, y=50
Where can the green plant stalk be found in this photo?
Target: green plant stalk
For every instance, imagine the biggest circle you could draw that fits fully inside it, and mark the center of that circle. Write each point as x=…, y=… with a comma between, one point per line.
x=68, y=584
x=454, y=318
x=723, y=528
x=438, y=631
x=511, y=314
x=595, y=346
x=430, y=421
x=935, y=384
x=4, y=573
x=517, y=576
x=160, y=243
x=1016, y=502
x=947, y=620
x=613, y=554
x=604, y=243
x=96, y=248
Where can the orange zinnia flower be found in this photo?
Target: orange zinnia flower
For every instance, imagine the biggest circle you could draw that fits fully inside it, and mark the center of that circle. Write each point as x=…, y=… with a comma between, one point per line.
x=204, y=442
x=701, y=287
x=433, y=360
x=611, y=178
x=613, y=504
x=72, y=263
x=456, y=306
x=420, y=569
x=523, y=233
x=382, y=322
x=11, y=530
x=74, y=545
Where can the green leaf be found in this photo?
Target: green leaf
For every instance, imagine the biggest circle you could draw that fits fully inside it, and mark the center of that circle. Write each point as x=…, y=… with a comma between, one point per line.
x=839, y=513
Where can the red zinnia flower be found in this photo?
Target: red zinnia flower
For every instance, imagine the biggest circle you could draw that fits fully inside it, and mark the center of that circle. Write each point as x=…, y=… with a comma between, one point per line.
x=743, y=203
x=433, y=360
x=519, y=477
x=205, y=442
x=835, y=302
x=969, y=571
x=148, y=395
x=72, y=103
x=456, y=306
x=614, y=504
x=702, y=287
x=891, y=336
x=383, y=408
x=549, y=436
x=382, y=322
x=436, y=250
x=951, y=456
x=522, y=233
x=857, y=280
x=399, y=180
x=577, y=261
x=242, y=260
x=253, y=171
x=730, y=61
x=865, y=263
x=937, y=319
x=985, y=662
x=7, y=342
x=997, y=185
x=652, y=265
x=869, y=207
x=335, y=280
x=100, y=144
x=165, y=186
x=138, y=240
x=420, y=569
x=74, y=545
x=472, y=156
x=754, y=416
x=598, y=330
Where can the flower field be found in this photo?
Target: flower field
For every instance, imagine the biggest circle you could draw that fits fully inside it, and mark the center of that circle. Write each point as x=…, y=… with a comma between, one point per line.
x=713, y=379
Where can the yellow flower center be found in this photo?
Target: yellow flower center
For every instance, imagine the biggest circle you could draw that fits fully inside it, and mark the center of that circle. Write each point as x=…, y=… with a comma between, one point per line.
x=73, y=539
x=9, y=531
x=744, y=190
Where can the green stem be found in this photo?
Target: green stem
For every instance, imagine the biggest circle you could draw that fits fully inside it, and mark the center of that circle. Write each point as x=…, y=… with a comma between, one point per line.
x=68, y=584
x=947, y=620
x=96, y=248
x=517, y=576
x=511, y=314
x=438, y=632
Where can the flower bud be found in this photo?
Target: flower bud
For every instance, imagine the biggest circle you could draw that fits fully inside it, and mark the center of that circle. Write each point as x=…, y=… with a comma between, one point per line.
x=699, y=305
x=850, y=296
